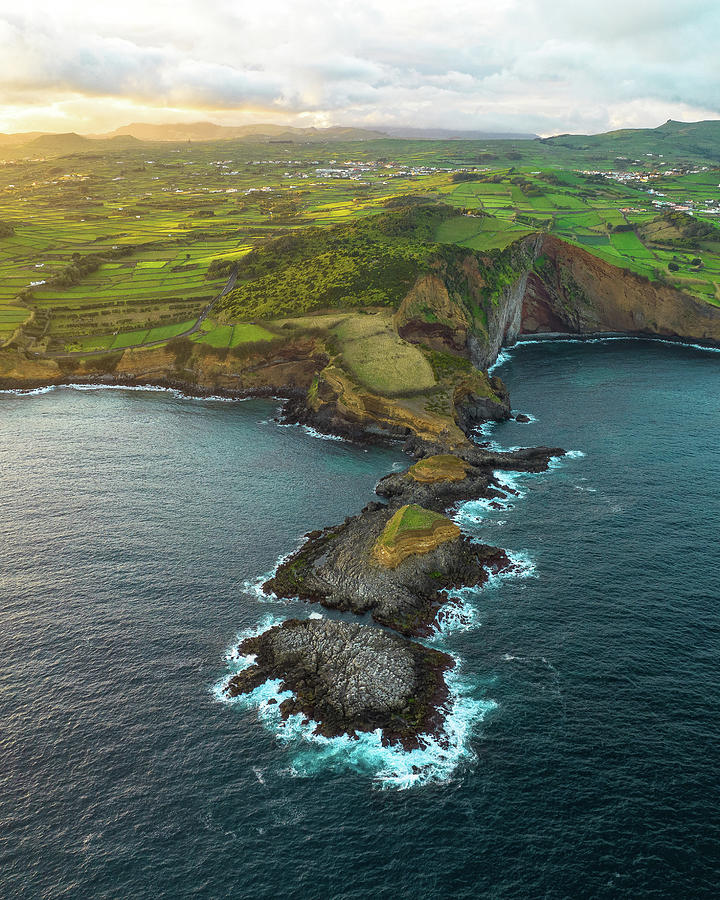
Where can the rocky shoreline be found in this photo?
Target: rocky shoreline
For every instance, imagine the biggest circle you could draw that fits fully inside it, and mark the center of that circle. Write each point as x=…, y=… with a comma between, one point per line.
x=349, y=677
x=186, y=388
x=395, y=560
x=338, y=568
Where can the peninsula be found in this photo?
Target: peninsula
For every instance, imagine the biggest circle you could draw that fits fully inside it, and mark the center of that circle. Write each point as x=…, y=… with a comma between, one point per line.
x=371, y=287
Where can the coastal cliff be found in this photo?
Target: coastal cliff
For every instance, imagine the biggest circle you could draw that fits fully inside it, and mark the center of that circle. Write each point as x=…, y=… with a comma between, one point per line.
x=544, y=285
x=416, y=372
x=415, y=365
x=574, y=291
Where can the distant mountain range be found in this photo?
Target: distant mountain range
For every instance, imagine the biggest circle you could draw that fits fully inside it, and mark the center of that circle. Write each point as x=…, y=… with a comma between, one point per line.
x=449, y=134
x=698, y=139
x=208, y=131
x=38, y=144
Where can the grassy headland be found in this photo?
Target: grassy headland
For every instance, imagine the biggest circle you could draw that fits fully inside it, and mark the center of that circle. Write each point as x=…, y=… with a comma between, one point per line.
x=363, y=267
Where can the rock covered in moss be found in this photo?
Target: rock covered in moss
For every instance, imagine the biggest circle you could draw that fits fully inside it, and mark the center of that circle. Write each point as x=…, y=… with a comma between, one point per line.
x=337, y=568
x=412, y=531
x=442, y=467
x=437, y=481
x=489, y=404
x=349, y=677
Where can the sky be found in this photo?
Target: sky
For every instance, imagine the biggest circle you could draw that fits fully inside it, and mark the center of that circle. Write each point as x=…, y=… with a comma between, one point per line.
x=542, y=66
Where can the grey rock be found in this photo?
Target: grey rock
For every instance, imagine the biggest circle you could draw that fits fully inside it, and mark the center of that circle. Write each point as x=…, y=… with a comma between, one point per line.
x=350, y=677
x=335, y=568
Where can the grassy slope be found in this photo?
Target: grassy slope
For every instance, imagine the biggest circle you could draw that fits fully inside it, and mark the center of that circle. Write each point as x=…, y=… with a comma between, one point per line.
x=378, y=359
x=372, y=262
x=438, y=468
x=407, y=521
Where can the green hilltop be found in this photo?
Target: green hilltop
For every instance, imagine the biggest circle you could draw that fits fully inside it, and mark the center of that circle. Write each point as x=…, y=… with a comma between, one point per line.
x=697, y=140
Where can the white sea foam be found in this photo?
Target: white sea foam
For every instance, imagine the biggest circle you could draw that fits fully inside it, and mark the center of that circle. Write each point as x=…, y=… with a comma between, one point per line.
x=557, y=462
x=19, y=392
x=462, y=612
x=504, y=355
x=308, y=429
x=435, y=760
x=237, y=661
x=459, y=613
x=483, y=435
x=144, y=388
x=473, y=512
x=511, y=482
x=617, y=337
x=254, y=586
x=521, y=566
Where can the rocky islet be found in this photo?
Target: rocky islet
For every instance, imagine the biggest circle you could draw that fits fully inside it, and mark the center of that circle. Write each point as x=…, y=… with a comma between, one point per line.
x=397, y=561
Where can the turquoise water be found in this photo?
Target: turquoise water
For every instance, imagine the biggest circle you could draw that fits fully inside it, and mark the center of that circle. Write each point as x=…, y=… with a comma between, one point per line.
x=586, y=717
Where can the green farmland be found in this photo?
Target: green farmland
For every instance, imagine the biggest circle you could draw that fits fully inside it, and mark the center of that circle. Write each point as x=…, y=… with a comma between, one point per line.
x=125, y=246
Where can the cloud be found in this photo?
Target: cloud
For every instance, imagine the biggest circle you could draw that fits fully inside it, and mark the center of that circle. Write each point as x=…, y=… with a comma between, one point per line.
x=522, y=64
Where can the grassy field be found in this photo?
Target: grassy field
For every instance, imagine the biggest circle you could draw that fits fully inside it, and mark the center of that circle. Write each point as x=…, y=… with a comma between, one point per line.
x=408, y=519
x=122, y=245
x=217, y=335
x=378, y=359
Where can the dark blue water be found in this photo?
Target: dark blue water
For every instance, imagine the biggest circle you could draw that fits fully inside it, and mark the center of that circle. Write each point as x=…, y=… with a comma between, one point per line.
x=587, y=719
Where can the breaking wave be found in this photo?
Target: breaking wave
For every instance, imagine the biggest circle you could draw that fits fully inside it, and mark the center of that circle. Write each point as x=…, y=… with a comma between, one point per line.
x=606, y=339
x=146, y=388
x=437, y=759
x=504, y=355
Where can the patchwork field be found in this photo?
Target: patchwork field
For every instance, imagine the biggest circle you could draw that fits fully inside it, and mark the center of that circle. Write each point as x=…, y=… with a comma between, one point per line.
x=120, y=247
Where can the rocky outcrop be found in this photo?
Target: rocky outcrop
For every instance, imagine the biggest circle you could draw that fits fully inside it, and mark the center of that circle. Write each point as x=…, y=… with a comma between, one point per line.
x=524, y=459
x=543, y=285
x=286, y=368
x=337, y=567
x=338, y=405
x=565, y=289
x=349, y=677
x=504, y=321
x=395, y=562
x=442, y=487
x=434, y=483
x=470, y=305
x=404, y=587
x=429, y=315
x=472, y=409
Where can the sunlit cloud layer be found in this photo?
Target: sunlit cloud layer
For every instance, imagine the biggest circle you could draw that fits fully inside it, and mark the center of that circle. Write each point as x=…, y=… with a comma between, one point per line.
x=487, y=64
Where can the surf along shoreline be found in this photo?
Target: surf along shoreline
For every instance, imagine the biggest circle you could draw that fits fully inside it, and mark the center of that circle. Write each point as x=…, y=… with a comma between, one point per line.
x=404, y=588
x=401, y=687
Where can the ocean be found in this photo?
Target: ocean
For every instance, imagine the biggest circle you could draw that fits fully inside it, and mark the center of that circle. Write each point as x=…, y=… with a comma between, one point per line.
x=584, y=732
